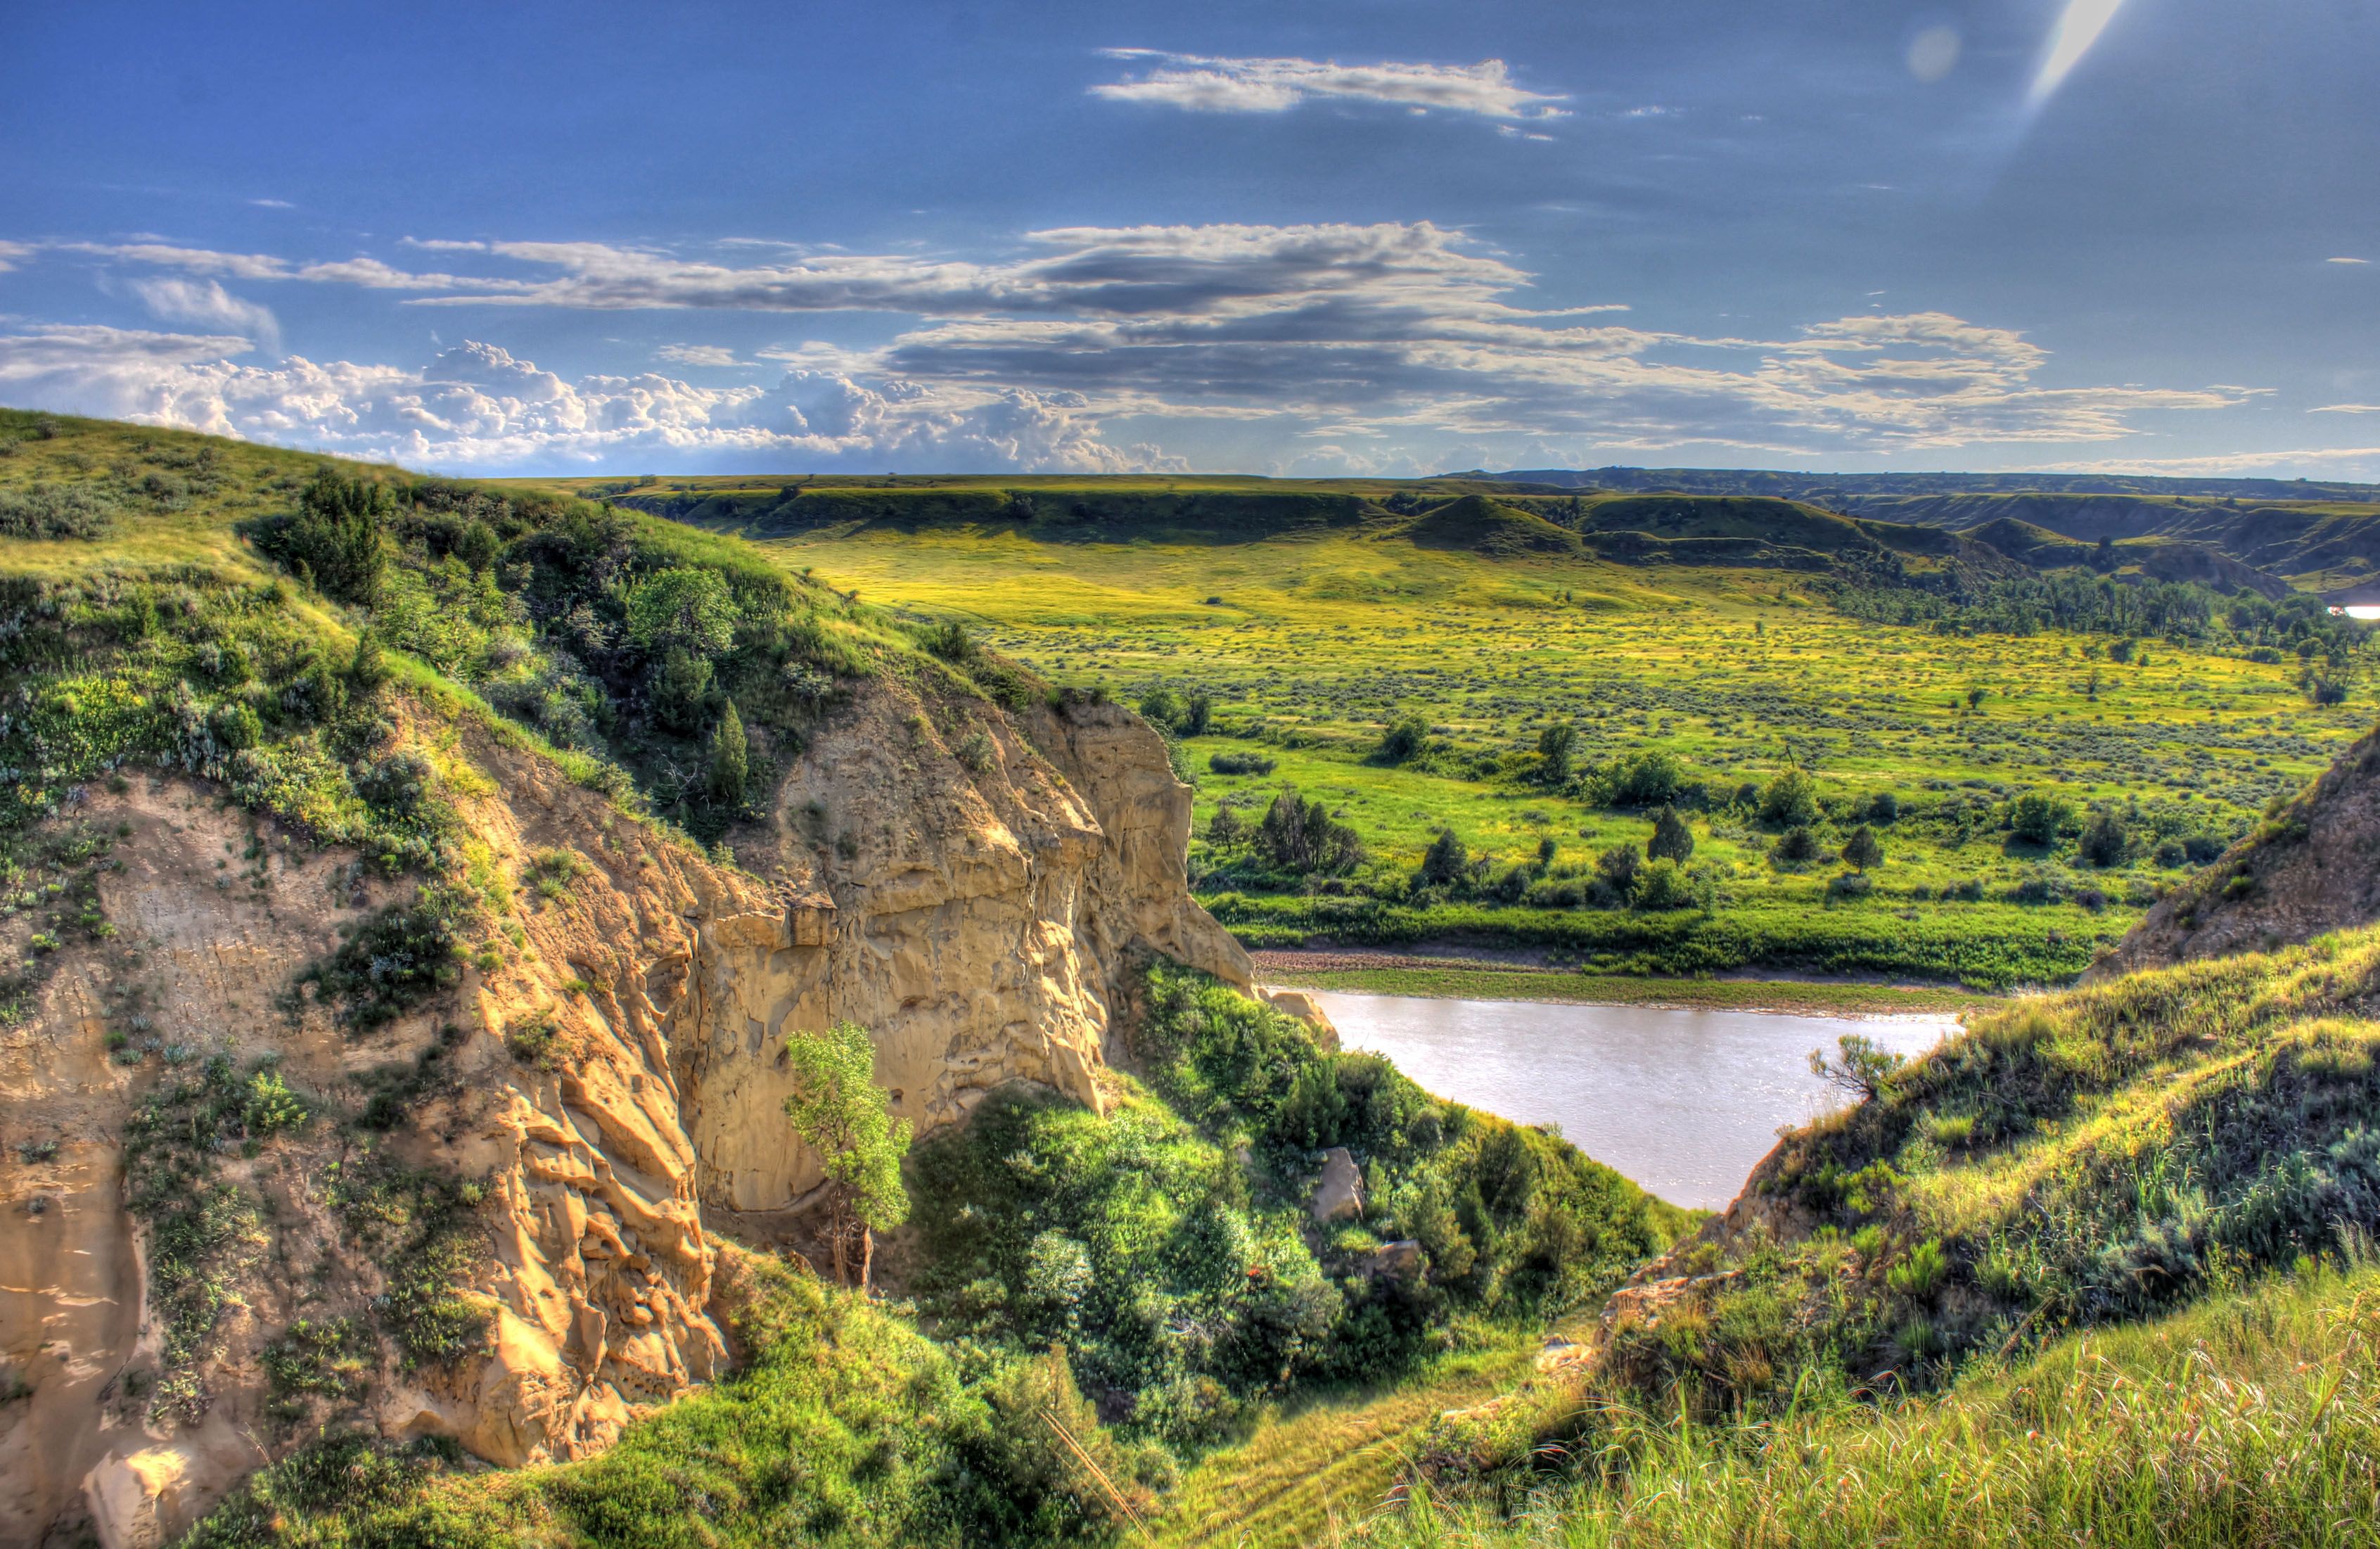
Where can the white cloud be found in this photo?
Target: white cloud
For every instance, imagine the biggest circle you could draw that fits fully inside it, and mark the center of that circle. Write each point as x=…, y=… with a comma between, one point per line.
x=1410, y=333
x=2358, y=261
x=273, y=204
x=207, y=303
x=1202, y=83
x=10, y=253
x=2346, y=409
x=477, y=406
x=698, y=355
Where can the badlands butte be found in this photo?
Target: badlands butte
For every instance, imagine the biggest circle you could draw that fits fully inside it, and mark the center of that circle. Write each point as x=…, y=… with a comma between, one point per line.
x=422, y=899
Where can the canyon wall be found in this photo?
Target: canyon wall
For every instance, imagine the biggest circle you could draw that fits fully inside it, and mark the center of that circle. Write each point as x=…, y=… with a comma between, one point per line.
x=969, y=886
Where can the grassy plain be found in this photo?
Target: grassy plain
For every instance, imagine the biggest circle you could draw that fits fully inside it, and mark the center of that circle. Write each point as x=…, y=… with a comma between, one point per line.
x=1454, y=979
x=1310, y=643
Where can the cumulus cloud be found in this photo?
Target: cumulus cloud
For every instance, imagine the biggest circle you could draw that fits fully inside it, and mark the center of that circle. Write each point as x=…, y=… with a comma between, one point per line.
x=176, y=300
x=1202, y=83
x=477, y=406
x=1408, y=334
x=698, y=355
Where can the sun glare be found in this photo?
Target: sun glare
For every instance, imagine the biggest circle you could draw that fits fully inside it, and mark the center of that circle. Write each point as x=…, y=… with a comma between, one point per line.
x=2077, y=29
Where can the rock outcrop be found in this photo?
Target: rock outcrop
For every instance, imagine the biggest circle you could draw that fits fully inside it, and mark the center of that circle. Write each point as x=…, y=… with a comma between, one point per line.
x=970, y=886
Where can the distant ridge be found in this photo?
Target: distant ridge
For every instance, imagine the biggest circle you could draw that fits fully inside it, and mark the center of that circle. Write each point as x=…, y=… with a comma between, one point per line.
x=1826, y=488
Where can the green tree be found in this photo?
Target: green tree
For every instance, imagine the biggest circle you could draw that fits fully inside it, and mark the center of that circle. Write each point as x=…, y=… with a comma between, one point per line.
x=730, y=762
x=1672, y=839
x=1790, y=800
x=368, y=670
x=334, y=540
x=839, y=1111
x=2107, y=841
x=1860, y=1069
x=2039, y=816
x=1619, y=866
x=1161, y=708
x=682, y=609
x=681, y=687
x=1404, y=739
x=1446, y=862
x=1862, y=850
x=1198, y=712
x=1663, y=884
x=1555, y=745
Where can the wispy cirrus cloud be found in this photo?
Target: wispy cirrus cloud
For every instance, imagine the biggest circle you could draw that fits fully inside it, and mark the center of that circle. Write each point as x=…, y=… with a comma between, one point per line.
x=1206, y=83
x=176, y=298
x=698, y=355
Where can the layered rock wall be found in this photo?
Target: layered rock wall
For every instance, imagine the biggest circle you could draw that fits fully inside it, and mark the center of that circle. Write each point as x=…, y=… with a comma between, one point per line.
x=969, y=886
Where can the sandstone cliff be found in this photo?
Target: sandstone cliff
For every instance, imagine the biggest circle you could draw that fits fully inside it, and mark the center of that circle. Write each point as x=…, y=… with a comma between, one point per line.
x=966, y=883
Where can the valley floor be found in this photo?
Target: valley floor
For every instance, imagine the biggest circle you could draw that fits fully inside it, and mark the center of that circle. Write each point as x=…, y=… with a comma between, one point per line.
x=1463, y=978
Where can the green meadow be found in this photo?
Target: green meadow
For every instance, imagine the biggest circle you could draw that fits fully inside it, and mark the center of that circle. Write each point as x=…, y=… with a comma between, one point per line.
x=1310, y=639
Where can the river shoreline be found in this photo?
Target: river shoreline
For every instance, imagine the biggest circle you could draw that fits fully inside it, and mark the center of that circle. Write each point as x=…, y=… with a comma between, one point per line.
x=1467, y=978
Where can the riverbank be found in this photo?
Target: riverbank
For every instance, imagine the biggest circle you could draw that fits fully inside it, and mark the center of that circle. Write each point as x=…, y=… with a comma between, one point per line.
x=1393, y=973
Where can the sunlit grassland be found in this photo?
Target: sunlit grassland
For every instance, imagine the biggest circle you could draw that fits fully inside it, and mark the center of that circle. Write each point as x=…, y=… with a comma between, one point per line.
x=1454, y=980
x=1308, y=645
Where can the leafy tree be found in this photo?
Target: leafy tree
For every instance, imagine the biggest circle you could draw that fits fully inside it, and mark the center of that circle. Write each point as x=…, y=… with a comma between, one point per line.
x=368, y=670
x=1862, y=850
x=1404, y=738
x=1790, y=800
x=334, y=540
x=1161, y=708
x=1300, y=835
x=1883, y=807
x=1225, y=827
x=681, y=687
x=1445, y=864
x=1555, y=745
x=1672, y=839
x=1197, y=713
x=839, y=1111
x=2106, y=840
x=730, y=759
x=1649, y=779
x=1861, y=1068
x=682, y=609
x=2040, y=816
x=1619, y=866
x=1798, y=844
x=1663, y=884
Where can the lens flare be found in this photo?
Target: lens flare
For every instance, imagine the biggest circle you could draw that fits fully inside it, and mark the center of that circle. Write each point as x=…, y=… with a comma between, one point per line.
x=2077, y=29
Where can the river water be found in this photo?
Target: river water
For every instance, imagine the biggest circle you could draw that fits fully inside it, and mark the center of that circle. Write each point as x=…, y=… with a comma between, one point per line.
x=1683, y=1102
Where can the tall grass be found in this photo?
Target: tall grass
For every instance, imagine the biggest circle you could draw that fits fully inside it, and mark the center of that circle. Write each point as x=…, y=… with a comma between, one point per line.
x=2253, y=1422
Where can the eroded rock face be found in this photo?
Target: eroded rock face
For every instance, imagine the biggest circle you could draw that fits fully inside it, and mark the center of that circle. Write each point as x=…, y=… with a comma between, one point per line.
x=981, y=900
x=971, y=893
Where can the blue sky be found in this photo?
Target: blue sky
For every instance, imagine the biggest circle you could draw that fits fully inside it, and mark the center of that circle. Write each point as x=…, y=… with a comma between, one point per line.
x=1301, y=236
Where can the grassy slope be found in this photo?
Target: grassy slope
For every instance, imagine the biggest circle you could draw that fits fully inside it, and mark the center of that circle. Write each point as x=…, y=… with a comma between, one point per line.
x=2252, y=1420
x=1310, y=642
